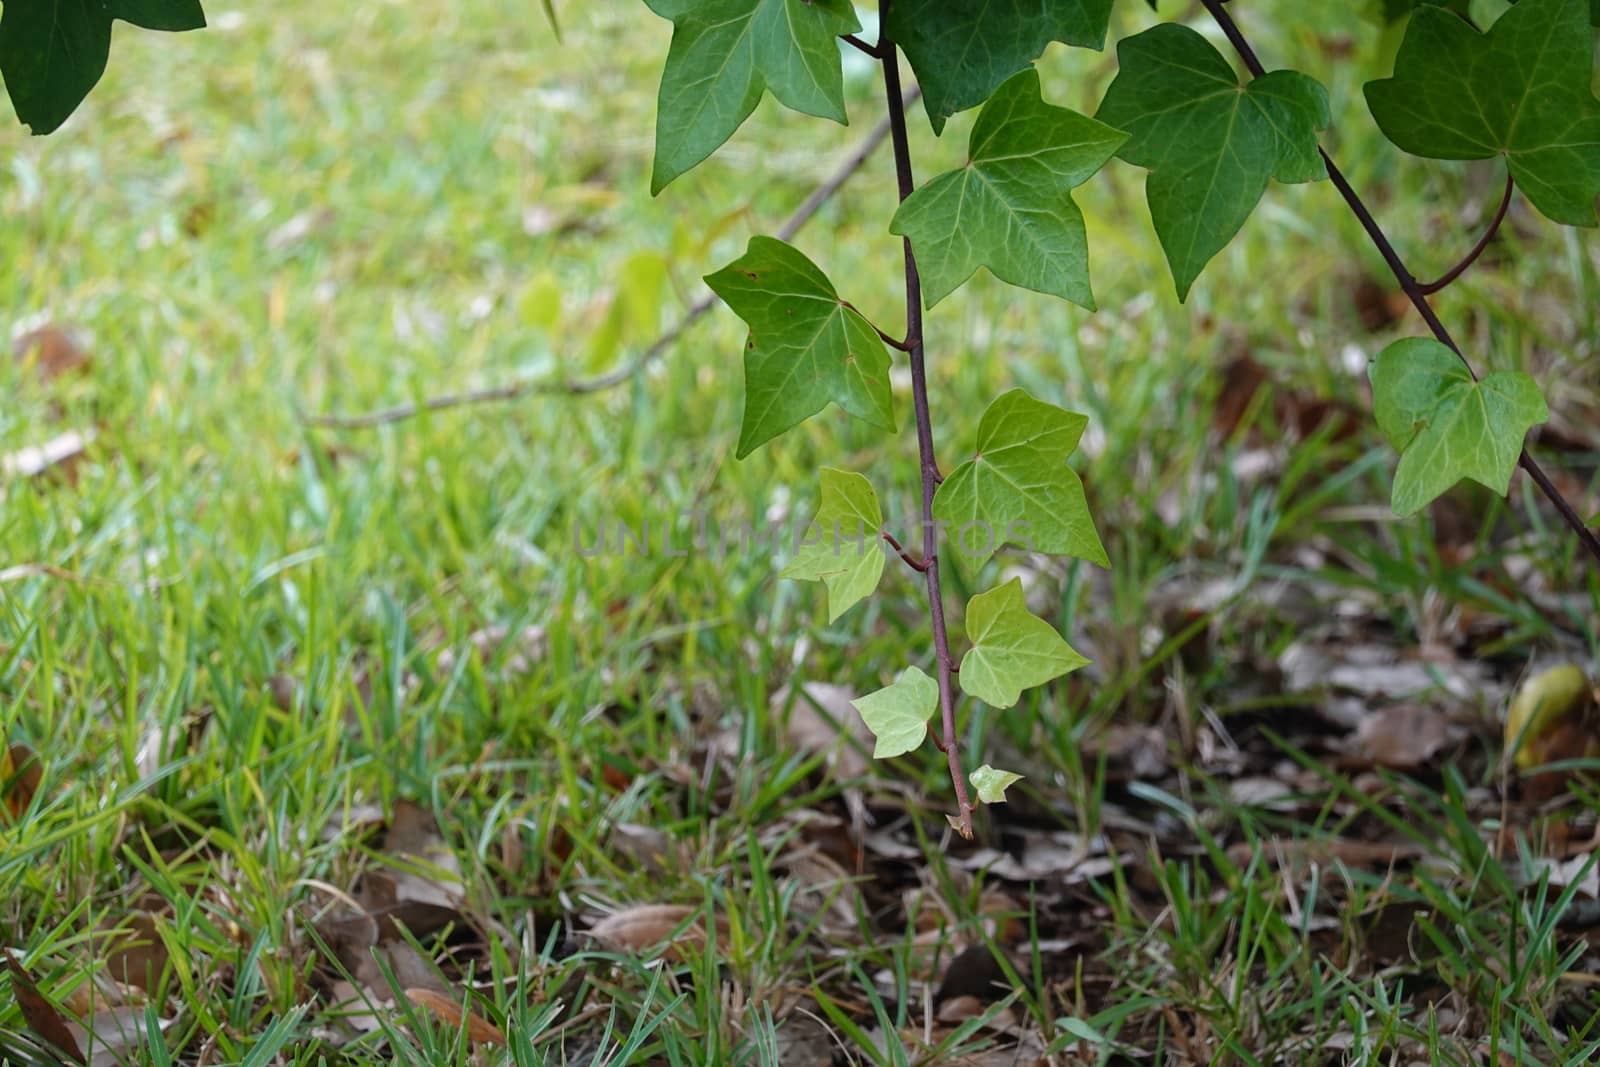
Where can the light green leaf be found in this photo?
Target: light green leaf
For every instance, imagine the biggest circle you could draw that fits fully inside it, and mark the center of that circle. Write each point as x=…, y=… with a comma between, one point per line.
x=845, y=552
x=724, y=53
x=991, y=784
x=1447, y=426
x=1522, y=91
x=1209, y=143
x=1012, y=648
x=1017, y=487
x=961, y=51
x=1008, y=209
x=805, y=348
x=898, y=715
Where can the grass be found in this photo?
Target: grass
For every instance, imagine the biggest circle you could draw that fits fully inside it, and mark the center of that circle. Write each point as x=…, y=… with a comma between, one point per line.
x=242, y=648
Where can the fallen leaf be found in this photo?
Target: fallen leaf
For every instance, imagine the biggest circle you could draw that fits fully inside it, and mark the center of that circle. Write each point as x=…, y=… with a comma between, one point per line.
x=1405, y=736
x=21, y=775
x=480, y=1031
x=645, y=927
x=41, y=1015
x=51, y=351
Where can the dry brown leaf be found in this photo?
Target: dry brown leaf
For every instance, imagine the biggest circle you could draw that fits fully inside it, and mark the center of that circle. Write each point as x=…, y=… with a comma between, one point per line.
x=21, y=775
x=42, y=1016
x=1405, y=736
x=50, y=350
x=138, y=954
x=480, y=1031
x=822, y=719
x=643, y=927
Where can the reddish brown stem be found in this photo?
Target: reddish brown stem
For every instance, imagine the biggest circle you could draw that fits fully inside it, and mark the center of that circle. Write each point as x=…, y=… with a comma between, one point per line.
x=919, y=565
x=890, y=56
x=1429, y=288
x=1408, y=284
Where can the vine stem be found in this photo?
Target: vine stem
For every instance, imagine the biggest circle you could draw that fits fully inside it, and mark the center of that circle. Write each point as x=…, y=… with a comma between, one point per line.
x=1429, y=288
x=1415, y=291
x=890, y=57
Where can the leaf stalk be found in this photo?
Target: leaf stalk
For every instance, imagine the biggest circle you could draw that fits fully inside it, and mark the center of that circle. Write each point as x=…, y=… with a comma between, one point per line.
x=1415, y=291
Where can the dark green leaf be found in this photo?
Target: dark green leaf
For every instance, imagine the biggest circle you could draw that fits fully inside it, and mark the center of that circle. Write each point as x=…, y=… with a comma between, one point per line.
x=159, y=14
x=52, y=52
x=1008, y=209
x=1210, y=143
x=725, y=53
x=806, y=347
x=1521, y=91
x=1447, y=426
x=962, y=50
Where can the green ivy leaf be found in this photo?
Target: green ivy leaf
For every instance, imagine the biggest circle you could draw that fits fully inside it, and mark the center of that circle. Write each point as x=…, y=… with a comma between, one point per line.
x=962, y=51
x=1521, y=91
x=805, y=348
x=1017, y=487
x=846, y=555
x=1008, y=209
x=992, y=784
x=52, y=52
x=724, y=53
x=1209, y=143
x=1447, y=426
x=898, y=715
x=1012, y=648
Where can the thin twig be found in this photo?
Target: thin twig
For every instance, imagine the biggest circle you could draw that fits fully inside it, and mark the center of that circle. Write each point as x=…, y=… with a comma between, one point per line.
x=612, y=378
x=1429, y=288
x=919, y=398
x=1409, y=285
x=919, y=565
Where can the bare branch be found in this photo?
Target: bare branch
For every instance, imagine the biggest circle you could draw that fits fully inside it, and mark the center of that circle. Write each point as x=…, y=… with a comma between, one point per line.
x=630, y=369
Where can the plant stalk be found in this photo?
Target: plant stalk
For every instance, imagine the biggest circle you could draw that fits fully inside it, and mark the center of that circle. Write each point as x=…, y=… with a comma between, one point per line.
x=890, y=56
x=1414, y=290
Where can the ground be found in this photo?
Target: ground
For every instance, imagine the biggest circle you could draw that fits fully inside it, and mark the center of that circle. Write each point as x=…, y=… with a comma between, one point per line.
x=338, y=731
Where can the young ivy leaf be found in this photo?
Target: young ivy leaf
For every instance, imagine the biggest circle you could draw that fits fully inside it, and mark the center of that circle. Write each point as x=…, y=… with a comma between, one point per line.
x=1008, y=209
x=1447, y=426
x=52, y=52
x=898, y=715
x=1521, y=91
x=805, y=348
x=724, y=53
x=844, y=554
x=991, y=784
x=1209, y=143
x=1017, y=486
x=961, y=51
x=1012, y=648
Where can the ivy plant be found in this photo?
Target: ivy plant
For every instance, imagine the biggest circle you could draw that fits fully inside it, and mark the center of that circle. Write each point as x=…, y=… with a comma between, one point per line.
x=1212, y=128
x=1212, y=136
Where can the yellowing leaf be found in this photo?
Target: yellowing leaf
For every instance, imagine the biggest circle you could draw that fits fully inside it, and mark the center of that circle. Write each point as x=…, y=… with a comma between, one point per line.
x=898, y=714
x=991, y=784
x=1012, y=649
x=842, y=549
